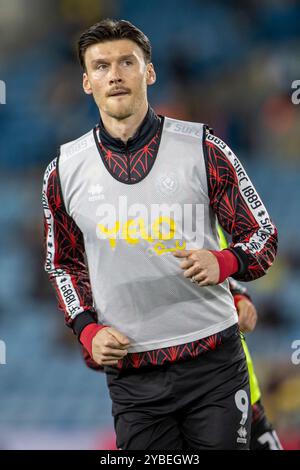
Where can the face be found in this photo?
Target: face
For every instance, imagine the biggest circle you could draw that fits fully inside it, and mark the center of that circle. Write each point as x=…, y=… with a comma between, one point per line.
x=117, y=77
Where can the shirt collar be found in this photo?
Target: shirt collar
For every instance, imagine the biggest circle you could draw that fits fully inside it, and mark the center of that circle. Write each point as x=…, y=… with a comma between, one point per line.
x=143, y=135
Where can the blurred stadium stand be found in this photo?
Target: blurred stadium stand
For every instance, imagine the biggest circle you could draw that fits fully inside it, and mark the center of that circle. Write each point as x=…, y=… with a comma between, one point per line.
x=224, y=63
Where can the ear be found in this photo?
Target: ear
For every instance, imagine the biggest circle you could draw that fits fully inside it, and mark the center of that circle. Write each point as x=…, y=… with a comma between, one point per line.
x=86, y=84
x=151, y=75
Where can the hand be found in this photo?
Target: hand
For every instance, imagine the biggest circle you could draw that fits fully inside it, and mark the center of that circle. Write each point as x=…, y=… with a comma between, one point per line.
x=109, y=346
x=247, y=315
x=201, y=265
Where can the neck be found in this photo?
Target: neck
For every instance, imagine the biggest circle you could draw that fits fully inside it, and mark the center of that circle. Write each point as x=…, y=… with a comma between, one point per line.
x=126, y=128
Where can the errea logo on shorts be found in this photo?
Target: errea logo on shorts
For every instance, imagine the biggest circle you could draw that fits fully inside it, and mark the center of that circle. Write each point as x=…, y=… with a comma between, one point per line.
x=242, y=435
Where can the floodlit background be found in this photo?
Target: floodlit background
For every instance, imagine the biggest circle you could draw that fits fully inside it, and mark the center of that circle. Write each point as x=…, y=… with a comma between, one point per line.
x=228, y=64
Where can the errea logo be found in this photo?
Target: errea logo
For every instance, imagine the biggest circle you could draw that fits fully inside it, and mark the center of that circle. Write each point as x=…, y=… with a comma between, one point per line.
x=242, y=435
x=96, y=193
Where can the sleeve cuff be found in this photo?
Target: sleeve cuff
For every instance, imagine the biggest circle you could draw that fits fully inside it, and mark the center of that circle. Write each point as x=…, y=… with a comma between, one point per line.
x=243, y=262
x=237, y=298
x=87, y=335
x=83, y=319
x=228, y=263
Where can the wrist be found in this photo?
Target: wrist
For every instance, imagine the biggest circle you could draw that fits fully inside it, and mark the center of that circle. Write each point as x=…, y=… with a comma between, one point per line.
x=87, y=335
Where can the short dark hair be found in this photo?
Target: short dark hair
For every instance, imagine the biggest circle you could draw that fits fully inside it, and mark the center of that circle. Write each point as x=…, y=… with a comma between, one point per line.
x=111, y=30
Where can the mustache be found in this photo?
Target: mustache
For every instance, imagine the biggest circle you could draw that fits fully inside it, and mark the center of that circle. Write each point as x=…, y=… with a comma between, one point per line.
x=114, y=91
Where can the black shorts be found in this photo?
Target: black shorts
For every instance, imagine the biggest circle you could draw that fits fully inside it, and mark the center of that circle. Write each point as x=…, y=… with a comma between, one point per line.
x=202, y=403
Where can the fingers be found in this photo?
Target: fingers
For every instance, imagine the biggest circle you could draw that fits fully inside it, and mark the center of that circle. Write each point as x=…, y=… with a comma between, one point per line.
x=182, y=253
x=109, y=353
x=252, y=320
x=247, y=324
x=114, y=345
x=187, y=263
x=109, y=346
x=247, y=316
x=191, y=267
x=121, y=339
x=193, y=271
x=243, y=323
x=203, y=281
x=104, y=339
x=199, y=275
x=108, y=356
x=111, y=358
x=196, y=256
x=201, y=265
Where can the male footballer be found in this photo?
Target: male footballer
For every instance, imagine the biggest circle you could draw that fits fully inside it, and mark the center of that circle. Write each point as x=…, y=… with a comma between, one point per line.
x=132, y=249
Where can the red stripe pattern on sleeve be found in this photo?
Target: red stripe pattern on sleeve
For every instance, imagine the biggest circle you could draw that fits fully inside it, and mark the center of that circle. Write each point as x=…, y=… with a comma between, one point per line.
x=64, y=248
x=240, y=210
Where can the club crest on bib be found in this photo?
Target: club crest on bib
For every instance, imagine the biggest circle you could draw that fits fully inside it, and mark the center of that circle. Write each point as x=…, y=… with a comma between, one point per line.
x=167, y=184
